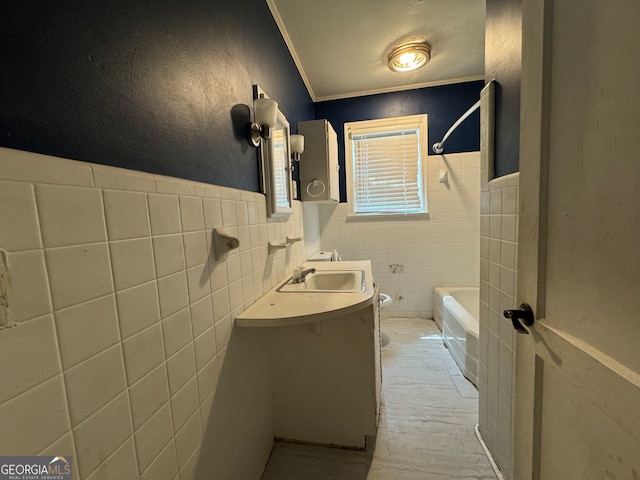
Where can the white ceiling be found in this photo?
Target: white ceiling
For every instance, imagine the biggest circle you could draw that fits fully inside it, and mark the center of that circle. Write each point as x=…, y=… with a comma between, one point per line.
x=341, y=46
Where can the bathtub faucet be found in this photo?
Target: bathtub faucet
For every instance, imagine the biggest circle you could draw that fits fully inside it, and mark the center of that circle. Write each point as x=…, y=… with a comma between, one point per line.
x=299, y=275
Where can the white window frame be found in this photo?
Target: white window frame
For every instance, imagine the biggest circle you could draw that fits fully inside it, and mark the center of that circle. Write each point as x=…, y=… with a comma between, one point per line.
x=386, y=125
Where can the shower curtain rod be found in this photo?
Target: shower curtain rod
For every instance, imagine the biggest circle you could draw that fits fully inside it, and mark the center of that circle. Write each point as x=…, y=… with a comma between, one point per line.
x=438, y=146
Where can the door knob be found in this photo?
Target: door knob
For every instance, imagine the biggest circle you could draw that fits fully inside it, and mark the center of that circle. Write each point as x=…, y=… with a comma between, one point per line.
x=518, y=317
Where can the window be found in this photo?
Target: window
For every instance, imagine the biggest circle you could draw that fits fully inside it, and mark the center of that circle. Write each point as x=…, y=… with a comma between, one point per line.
x=385, y=172
x=281, y=172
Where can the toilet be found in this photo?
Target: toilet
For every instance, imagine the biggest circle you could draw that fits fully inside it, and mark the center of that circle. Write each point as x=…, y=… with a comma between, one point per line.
x=384, y=299
x=324, y=256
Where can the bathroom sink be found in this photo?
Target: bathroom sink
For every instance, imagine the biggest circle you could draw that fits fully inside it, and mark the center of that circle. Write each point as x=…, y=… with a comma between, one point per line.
x=335, y=289
x=328, y=281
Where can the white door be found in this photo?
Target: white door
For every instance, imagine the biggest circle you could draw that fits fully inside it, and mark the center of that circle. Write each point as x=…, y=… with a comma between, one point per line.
x=577, y=407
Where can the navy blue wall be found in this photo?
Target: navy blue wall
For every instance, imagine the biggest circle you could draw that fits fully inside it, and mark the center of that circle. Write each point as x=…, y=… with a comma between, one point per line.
x=161, y=86
x=503, y=57
x=443, y=105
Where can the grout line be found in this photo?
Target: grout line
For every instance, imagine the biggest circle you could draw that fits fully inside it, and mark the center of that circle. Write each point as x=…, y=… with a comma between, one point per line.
x=487, y=452
x=56, y=338
x=122, y=358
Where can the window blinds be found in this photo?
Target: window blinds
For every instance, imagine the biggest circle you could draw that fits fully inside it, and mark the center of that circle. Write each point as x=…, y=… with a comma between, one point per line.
x=281, y=173
x=386, y=172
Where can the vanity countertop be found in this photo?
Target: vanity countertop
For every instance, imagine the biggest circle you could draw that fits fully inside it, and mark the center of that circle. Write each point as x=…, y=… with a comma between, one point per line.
x=279, y=309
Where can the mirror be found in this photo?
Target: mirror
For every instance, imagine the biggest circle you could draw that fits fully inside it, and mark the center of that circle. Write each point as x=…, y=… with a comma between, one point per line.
x=278, y=151
x=275, y=154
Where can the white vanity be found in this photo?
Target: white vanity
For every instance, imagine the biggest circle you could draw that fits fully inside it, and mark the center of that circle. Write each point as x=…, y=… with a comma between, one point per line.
x=324, y=353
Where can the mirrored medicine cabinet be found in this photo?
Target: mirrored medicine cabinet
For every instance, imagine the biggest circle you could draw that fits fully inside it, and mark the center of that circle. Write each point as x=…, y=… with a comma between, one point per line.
x=274, y=155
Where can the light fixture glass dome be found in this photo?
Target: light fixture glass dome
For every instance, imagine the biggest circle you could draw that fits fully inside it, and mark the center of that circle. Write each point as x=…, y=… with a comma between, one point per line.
x=297, y=143
x=409, y=56
x=265, y=111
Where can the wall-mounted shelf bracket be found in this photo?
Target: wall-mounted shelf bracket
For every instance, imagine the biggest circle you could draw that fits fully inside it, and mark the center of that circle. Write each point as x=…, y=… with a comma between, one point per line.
x=223, y=243
x=275, y=246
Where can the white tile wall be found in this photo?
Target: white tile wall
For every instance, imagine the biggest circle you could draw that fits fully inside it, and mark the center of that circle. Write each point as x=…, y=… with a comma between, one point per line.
x=78, y=273
x=498, y=289
x=101, y=434
x=34, y=335
x=441, y=249
x=126, y=214
x=124, y=319
x=138, y=308
x=148, y=395
x=31, y=292
x=165, y=466
x=44, y=406
x=87, y=329
x=121, y=465
x=94, y=382
x=20, y=229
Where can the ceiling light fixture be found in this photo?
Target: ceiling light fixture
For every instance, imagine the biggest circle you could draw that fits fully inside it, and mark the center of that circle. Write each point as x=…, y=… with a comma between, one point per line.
x=409, y=56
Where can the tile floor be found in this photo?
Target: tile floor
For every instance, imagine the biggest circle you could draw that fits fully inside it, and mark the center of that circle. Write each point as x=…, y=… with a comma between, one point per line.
x=426, y=429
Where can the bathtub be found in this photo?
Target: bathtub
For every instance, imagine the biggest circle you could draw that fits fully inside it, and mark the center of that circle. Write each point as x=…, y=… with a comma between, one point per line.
x=456, y=313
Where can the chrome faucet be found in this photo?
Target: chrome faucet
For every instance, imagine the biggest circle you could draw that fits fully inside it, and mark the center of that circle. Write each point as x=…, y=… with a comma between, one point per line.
x=299, y=275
